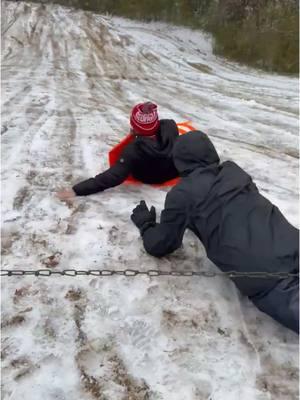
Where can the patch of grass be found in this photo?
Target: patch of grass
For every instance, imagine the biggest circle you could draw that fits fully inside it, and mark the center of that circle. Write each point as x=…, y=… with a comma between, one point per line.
x=268, y=39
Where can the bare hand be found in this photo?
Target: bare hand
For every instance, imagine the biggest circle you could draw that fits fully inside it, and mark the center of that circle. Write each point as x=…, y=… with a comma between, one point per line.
x=66, y=194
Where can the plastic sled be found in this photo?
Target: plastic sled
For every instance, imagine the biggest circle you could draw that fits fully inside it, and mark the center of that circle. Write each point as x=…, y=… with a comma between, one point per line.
x=115, y=154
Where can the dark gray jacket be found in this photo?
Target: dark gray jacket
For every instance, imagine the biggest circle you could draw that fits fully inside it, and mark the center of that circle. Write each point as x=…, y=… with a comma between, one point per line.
x=147, y=160
x=240, y=229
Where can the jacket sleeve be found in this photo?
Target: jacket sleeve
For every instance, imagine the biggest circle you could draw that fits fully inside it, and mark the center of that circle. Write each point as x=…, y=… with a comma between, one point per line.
x=166, y=237
x=113, y=176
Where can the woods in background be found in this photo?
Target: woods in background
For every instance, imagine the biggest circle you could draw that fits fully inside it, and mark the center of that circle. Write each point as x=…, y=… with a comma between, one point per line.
x=260, y=33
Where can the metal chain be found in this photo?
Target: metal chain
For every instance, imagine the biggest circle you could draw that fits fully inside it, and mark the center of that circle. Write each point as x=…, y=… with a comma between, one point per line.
x=151, y=272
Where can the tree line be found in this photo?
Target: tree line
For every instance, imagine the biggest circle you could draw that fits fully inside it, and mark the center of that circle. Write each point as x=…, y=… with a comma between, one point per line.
x=260, y=33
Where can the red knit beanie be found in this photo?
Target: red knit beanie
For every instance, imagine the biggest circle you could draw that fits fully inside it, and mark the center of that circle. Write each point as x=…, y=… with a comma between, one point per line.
x=144, y=119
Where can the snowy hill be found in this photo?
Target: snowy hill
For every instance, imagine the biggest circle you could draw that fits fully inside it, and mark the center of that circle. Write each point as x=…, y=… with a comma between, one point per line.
x=69, y=80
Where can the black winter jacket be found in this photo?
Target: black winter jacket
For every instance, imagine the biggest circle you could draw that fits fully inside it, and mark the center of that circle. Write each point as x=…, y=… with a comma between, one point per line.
x=240, y=229
x=148, y=160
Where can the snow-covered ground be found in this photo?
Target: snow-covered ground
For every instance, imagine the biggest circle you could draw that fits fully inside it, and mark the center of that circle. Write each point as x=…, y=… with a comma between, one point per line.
x=69, y=80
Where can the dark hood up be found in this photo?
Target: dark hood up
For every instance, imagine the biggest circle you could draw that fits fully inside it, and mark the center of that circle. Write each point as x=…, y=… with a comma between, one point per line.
x=161, y=147
x=193, y=150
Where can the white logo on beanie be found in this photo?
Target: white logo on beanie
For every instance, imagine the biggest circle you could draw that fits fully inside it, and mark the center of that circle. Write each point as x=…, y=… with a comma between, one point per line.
x=143, y=118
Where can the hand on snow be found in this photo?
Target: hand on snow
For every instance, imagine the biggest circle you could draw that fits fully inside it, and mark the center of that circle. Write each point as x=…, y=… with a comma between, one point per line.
x=66, y=194
x=142, y=217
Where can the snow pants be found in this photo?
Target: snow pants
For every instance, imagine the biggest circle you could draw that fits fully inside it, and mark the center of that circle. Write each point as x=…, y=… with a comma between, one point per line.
x=281, y=303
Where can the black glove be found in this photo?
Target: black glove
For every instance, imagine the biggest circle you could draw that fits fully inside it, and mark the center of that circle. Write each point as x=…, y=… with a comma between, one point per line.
x=142, y=217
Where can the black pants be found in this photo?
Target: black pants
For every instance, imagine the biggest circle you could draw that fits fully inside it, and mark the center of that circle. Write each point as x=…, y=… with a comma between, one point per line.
x=281, y=303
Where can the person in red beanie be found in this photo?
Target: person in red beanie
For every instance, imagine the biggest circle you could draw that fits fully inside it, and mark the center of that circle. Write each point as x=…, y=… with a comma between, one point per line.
x=148, y=158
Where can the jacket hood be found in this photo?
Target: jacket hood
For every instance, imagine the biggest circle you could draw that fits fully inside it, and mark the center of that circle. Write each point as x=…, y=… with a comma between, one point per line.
x=162, y=146
x=193, y=150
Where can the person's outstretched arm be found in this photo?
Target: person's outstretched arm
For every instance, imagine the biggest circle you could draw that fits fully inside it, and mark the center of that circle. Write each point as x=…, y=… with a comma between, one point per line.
x=113, y=176
x=165, y=237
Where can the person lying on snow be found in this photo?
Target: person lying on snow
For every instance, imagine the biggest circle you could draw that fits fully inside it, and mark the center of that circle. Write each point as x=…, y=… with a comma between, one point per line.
x=148, y=158
x=240, y=229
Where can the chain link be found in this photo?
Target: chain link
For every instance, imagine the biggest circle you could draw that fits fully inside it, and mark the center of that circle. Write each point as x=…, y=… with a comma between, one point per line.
x=150, y=273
